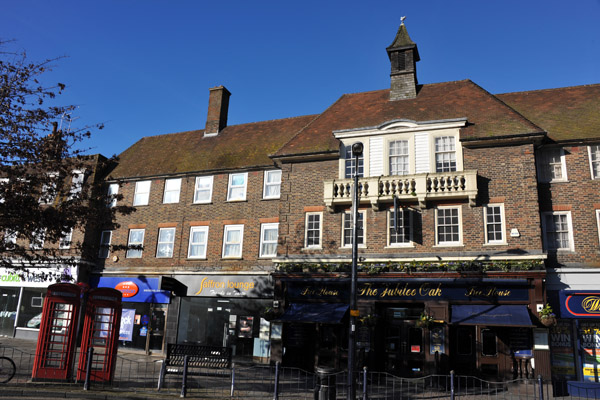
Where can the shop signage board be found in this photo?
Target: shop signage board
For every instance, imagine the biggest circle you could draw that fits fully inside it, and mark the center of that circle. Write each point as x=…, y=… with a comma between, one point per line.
x=37, y=277
x=257, y=286
x=126, y=329
x=579, y=304
x=138, y=290
x=413, y=289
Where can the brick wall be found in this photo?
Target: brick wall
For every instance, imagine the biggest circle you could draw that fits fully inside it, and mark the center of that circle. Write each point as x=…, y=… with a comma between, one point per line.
x=505, y=175
x=581, y=196
x=185, y=214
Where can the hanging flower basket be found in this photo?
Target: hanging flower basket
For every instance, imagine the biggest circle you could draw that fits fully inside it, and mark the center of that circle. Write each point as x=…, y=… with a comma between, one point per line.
x=548, y=321
x=424, y=321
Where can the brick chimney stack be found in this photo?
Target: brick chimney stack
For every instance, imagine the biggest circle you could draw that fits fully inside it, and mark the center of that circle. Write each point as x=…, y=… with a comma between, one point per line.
x=218, y=106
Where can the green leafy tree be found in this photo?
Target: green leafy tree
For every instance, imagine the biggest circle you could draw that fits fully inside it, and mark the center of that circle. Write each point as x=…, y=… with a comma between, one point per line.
x=51, y=194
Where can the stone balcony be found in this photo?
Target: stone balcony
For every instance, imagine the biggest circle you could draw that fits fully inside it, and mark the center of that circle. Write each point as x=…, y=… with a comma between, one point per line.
x=425, y=187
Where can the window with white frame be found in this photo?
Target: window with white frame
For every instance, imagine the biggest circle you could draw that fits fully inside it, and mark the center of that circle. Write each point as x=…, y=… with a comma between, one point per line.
x=136, y=239
x=37, y=240
x=49, y=191
x=313, y=230
x=172, y=189
x=445, y=154
x=350, y=163
x=111, y=194
x=76, y=183
x=198, y=242
x=65, y=240
x=237, y=186
x=400, y=229
x=233, y=237
x=594, y=152
x=347, y=229
x=166, y=239
x=268, y=239
x=142, y=193
x=203, y=189
x=494, y=224
x=558, y=230
x=399, y=157
x=551, y=165
x=104, y=250
x=272, y=186
x=448, y=226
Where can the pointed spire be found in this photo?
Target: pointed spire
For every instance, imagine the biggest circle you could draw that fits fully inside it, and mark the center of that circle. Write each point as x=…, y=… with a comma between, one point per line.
x=403, y=54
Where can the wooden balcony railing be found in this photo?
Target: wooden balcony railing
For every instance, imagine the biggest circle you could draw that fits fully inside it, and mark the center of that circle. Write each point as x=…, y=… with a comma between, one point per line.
x=420, y=187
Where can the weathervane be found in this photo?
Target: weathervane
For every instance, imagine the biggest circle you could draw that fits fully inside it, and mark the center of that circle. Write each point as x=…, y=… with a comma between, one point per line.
x=402, y=20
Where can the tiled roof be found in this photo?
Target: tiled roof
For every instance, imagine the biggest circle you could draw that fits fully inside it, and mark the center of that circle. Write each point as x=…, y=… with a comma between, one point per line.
x=487, y=117
x=569, y=113
x=237, y=147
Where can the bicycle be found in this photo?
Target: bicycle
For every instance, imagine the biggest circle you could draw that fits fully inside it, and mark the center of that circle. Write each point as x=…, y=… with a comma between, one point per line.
x=7, y=369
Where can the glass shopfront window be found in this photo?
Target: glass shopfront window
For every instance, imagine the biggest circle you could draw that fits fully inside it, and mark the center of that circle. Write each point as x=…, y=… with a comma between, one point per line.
x=221, y=322
x=32, y=302
x=9, y=299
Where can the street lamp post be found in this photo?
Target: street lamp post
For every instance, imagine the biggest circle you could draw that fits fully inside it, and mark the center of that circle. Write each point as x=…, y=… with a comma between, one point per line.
x=357, y=150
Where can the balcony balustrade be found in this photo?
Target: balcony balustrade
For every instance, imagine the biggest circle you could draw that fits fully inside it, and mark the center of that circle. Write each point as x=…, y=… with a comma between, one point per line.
x=421, y=187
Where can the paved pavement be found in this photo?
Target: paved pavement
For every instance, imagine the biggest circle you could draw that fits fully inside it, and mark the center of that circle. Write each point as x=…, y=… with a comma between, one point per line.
x=133, y=367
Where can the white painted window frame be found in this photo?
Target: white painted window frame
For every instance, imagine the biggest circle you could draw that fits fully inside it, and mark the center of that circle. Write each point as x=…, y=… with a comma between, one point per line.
x=571, y=247
x=502, y=224
x=165, y=243
x=593, y=161
x=263, y=242
x=306, y=218
x=133, y=253
x=194, y=229
x=209, y=179
x=437, y=227
x=410, y=242
x=267, y=185
x=172, y=191
x=231, y=187
x=226, y=243
x=364, y=223
x=104, y=247
x=141, y=196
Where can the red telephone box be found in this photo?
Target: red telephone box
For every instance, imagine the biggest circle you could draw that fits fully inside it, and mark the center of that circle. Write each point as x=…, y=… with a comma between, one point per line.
x=58, y=332
x=100, y=332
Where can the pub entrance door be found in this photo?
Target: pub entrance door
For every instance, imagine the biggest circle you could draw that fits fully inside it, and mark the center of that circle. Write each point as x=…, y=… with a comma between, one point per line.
x=404, y=352
x=463, y=356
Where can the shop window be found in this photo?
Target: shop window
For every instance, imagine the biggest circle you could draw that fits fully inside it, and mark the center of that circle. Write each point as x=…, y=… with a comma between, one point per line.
x=31, y=308
x=415, y=340
x=488, y=343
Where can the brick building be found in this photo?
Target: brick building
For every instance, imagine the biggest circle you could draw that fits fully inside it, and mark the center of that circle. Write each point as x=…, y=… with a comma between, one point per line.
x=468, y=225
x=204, y=234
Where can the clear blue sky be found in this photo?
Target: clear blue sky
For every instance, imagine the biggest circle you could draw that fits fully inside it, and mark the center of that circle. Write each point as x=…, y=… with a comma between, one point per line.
x=144, y=67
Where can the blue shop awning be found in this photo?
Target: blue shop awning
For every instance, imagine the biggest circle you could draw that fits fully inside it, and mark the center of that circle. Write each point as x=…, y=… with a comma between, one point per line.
x=498, y=315
x=324, y=313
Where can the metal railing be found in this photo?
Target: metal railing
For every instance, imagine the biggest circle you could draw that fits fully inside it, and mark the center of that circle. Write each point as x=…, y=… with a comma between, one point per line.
x=277, y=382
